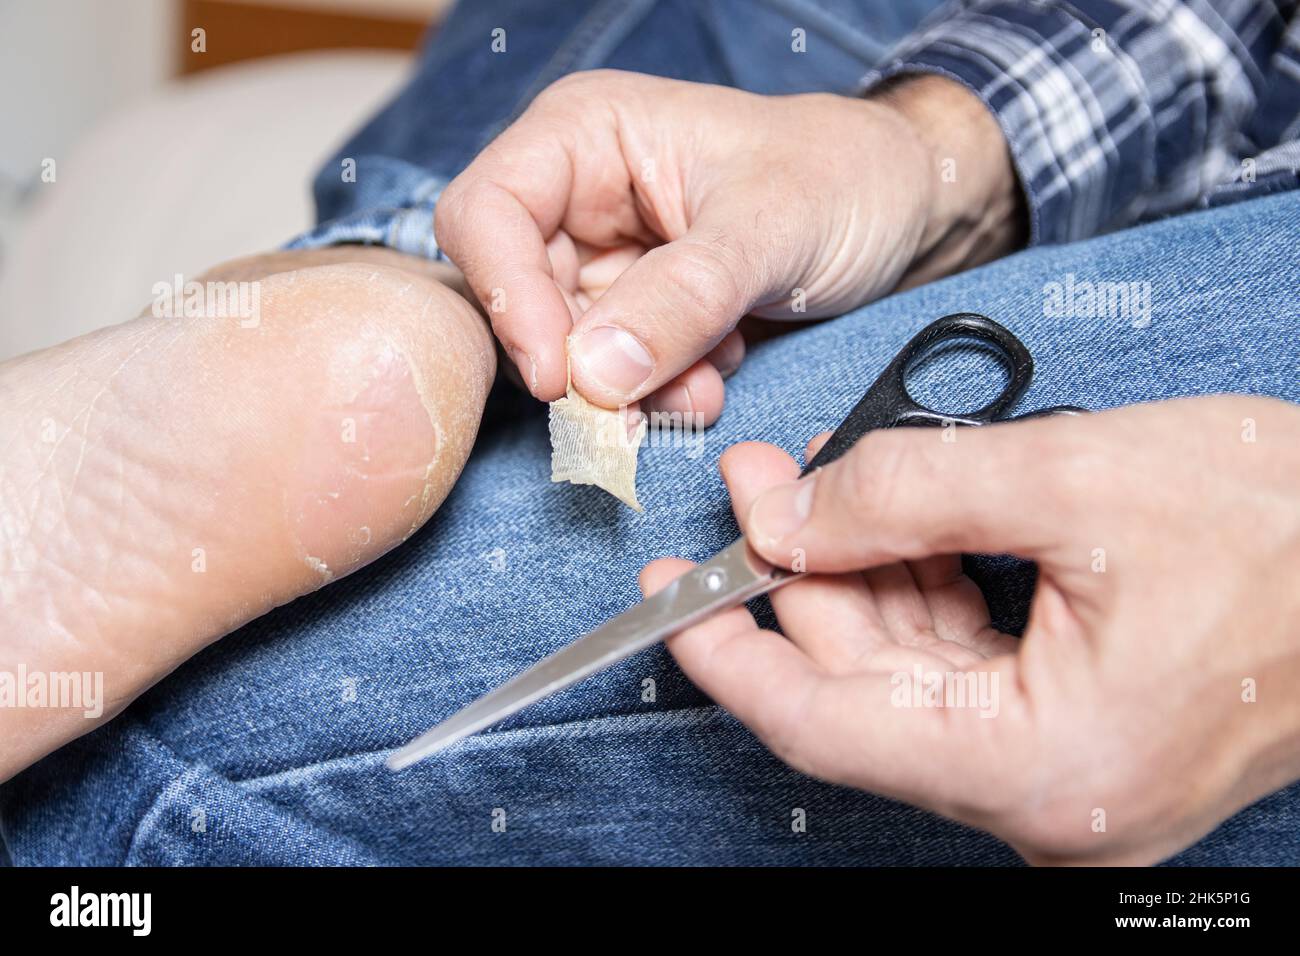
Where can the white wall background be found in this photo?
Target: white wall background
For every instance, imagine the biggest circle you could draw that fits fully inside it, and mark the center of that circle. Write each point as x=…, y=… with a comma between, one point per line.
x=154, y=176
x=65, y=64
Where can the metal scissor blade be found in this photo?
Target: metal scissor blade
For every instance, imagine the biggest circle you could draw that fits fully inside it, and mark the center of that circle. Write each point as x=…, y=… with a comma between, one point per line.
x=733, y=576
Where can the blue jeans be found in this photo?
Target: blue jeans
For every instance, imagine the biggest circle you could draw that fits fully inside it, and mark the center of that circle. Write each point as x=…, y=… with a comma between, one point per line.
x=269, y=746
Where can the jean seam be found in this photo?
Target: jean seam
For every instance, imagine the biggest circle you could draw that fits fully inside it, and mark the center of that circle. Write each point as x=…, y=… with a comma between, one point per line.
x=146, y=821
x=192, y=771
x=688, y=715
x=154, y=809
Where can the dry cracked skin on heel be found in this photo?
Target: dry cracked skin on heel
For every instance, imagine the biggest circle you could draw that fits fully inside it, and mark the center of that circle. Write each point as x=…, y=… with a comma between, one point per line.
x=168, y=479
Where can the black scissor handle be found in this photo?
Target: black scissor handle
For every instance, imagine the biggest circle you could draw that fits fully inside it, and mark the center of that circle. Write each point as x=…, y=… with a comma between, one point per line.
x=887, y=403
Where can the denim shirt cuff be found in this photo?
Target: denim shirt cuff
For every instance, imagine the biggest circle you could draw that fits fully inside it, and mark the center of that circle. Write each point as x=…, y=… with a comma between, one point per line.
x=391, y=203
x=1273, y=171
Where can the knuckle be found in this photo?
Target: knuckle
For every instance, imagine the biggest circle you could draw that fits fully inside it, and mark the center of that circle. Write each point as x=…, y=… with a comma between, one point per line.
x=870, y=477
x=454, y=192
x=457, y=220
x=446, y=215
x=453, y=205
x=705, y=281
x=558, y=92
x=577, y=86
x=1074, y=464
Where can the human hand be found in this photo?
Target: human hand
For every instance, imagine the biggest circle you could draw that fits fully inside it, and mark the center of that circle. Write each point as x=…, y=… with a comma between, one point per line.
x=646, y=216
x=1154, y=691
x=165, y=480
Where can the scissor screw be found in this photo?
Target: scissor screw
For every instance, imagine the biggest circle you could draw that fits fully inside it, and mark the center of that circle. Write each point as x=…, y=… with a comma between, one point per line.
x=714, y=579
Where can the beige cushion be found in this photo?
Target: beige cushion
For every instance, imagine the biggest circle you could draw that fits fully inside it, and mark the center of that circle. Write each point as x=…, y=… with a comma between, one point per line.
x=216, y=166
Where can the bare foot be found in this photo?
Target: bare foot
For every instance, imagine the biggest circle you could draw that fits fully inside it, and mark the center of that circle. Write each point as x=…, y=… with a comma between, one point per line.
x=166, y=480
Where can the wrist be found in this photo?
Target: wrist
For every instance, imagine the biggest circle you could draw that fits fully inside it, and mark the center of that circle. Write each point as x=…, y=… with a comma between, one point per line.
x=976, y=210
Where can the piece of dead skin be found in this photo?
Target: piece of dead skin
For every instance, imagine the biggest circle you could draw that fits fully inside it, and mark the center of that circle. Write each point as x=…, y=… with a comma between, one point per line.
x=591, y=445
x=320, y=567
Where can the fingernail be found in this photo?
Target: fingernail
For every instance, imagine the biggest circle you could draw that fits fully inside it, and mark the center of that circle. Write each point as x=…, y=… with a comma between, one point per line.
x=527, y=367
x=632, y=418
x=781, y=511
x=670, y=398
x=726, y=357
x=613, y=357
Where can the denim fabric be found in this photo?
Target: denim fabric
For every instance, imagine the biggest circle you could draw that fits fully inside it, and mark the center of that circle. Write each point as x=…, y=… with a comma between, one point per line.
x=255, y=736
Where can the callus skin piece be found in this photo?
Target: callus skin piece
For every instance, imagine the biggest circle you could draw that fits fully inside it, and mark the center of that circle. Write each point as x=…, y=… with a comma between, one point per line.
x=591, y=445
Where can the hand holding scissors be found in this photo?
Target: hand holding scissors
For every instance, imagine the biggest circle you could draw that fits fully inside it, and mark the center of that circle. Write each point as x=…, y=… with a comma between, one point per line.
x=737, y=574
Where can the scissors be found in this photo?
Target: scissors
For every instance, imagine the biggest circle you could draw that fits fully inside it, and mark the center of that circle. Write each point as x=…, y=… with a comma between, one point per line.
x=736, y=574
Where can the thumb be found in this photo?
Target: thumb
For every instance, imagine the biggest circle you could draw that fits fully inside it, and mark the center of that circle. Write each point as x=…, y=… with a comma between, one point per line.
x=909, y=493
x=664, y=313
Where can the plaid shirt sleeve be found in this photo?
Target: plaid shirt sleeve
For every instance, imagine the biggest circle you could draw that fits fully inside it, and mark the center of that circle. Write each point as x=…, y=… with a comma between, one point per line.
x=1114, y=110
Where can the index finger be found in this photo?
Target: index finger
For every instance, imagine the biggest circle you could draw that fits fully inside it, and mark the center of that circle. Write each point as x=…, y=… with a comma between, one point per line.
x=493, y=222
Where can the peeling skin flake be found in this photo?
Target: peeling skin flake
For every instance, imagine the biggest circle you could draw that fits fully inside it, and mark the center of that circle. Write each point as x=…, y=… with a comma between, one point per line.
x=320, y=567
x=590, y=446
